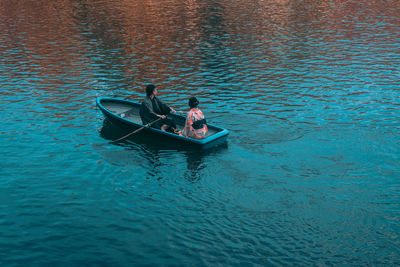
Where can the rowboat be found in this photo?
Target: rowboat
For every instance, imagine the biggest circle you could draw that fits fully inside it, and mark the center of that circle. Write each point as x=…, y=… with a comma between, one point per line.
x=124, y=114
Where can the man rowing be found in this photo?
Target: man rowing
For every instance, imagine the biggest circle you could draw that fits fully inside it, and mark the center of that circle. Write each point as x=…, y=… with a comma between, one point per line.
x=152, y=108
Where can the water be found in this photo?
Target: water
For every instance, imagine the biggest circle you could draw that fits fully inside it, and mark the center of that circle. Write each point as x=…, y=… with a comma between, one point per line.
x=308, y=89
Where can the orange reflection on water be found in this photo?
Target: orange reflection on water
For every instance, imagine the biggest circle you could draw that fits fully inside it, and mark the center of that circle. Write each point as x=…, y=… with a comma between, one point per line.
x=55, y=37
x=42, y=37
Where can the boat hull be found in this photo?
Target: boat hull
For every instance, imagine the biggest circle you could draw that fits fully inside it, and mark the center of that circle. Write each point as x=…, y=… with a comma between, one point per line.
x=123, y=117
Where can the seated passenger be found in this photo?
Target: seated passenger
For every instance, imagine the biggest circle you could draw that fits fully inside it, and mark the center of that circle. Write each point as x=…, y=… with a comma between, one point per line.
x=152, y=108
x=195, y=125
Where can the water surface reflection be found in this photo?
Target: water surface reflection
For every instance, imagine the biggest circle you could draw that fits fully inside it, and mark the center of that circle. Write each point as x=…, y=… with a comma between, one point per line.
x=151, y=153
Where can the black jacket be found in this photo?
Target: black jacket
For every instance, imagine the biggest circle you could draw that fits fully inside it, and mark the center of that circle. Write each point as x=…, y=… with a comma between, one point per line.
x=150, y=108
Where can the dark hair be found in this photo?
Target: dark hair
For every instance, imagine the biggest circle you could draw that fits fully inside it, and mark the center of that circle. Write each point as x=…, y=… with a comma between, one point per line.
x=193, y=102
x=150, y=89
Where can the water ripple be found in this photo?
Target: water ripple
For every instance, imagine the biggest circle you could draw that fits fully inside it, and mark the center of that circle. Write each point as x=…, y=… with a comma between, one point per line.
x=309, y=92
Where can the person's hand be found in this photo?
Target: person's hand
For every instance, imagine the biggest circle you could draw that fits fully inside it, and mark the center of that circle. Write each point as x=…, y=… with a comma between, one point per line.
x=162, y=116
x=173, y=110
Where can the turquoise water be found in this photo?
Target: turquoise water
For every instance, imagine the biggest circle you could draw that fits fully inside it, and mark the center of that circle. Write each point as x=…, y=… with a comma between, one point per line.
x=309, y=176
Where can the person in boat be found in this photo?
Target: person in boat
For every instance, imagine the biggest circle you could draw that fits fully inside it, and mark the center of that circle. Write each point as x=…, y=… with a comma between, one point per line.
x=195, y=125
x=152, y=108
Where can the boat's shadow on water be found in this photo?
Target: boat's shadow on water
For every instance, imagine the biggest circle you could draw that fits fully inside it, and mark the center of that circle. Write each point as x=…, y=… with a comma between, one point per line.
x=150, y=153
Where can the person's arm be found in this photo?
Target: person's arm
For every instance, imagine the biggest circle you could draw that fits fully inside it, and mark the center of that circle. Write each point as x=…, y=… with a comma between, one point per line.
x=188, y=125
x=164, y=107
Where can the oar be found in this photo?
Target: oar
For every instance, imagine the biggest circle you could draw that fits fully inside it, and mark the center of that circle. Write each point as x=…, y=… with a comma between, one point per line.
x=137, y=130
